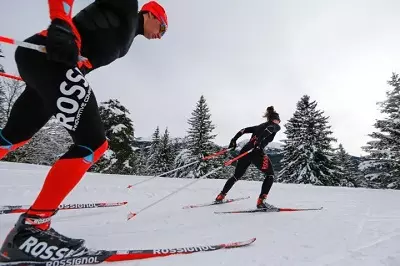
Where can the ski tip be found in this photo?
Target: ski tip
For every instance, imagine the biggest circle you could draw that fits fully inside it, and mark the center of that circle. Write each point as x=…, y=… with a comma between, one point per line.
x=124, y=202
x=131, y=215
x=240, y=243
x=252, y=240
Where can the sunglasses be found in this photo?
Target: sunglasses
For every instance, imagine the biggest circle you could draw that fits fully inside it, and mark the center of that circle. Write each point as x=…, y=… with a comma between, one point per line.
x=163, y=28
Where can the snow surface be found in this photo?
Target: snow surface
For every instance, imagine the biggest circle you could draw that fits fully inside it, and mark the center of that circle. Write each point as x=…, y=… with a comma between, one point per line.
x=356, y=227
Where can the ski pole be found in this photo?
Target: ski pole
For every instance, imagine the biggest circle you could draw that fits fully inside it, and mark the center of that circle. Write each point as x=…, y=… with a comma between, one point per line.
x=171, y=171
x=229, y=162
x=40, y=48
x=132, y=214
x=10, y=76
x=211, y=156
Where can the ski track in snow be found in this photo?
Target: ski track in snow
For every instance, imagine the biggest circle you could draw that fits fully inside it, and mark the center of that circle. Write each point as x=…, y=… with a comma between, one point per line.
x=356, y=226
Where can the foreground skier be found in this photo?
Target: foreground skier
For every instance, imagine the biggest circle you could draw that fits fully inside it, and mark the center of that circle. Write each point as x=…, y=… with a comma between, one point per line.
x=261, y=135
x=56, y=86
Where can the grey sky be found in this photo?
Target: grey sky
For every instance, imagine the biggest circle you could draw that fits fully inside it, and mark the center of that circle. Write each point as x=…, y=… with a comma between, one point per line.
x=244, y=56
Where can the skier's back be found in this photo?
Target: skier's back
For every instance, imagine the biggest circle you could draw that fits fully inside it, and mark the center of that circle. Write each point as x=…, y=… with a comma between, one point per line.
x=56, y=86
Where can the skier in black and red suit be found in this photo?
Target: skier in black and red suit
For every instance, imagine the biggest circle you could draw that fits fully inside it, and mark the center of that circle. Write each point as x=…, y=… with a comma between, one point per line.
x=56, y=86
x=261, y=135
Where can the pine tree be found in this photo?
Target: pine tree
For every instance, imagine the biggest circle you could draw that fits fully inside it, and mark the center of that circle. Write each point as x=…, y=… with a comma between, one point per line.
x=3, y=104
x=351, y=176
x=383, y=167
x=200, y=136
x=200, y=130
x=140, y=162
x=153, y=160
x=166, y=159
x=119, y=159
x=308, y=155
x=183, y=157
x=45, y=147
x=12, y=90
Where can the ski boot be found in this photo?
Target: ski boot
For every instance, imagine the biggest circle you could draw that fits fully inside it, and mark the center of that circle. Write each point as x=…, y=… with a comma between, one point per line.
x=220, y=197
x=33, y=240
x=262, y=204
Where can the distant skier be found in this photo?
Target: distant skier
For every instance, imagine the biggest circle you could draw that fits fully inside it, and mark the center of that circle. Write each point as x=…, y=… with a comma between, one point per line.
x=261, y=135
x=56, y=86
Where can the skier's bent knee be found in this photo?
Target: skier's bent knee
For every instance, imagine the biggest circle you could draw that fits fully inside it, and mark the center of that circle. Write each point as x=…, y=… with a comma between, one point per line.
x=90, y=154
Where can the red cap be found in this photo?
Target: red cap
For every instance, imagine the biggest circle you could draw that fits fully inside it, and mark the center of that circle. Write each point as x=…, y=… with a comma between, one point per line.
x=157, y=10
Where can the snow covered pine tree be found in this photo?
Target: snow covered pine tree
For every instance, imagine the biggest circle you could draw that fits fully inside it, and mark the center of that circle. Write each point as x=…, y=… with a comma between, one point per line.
x=383, y=167
x=307, y=150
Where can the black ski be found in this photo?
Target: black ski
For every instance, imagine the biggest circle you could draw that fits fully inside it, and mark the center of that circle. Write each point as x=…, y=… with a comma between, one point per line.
x=214, y=203
x=269, y=210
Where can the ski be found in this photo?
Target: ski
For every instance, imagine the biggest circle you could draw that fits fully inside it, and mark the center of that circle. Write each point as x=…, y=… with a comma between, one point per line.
x=104, y=256
x=270, y=210
x=6, y=209
x=214, y=203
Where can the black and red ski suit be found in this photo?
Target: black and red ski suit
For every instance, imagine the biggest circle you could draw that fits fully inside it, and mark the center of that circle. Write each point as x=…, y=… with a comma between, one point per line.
x=261, y=135
x=105, y=31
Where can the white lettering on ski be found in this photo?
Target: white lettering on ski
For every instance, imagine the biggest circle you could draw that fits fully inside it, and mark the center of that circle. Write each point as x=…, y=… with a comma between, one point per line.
x=183, y=250
x=74, y=261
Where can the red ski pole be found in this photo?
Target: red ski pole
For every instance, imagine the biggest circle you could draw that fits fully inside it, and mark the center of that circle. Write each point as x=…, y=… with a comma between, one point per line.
x=10, y=76
x=218, y=153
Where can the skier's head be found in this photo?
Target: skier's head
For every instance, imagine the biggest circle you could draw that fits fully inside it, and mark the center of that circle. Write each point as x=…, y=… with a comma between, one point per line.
x=155, y=21
x=272, y=115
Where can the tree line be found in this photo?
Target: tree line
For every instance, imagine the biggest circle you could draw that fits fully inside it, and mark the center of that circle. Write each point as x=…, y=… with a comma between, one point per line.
x=308, y=155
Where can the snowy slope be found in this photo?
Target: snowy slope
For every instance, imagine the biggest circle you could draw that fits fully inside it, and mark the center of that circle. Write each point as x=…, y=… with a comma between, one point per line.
x=357, y=226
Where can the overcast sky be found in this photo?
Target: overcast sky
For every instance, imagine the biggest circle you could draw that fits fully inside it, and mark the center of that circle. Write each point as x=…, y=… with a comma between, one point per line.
x=244, y=56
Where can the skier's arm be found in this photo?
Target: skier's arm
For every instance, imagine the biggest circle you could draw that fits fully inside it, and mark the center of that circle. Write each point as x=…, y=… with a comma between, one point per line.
x=244, y=131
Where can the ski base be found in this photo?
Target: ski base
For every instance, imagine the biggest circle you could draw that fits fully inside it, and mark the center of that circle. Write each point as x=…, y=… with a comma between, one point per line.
x=270, y=210
x=6, y=209
x=103, y=256
x=214, y=203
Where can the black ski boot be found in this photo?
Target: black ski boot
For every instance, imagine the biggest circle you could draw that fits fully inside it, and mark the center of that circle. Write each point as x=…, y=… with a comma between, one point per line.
x=262, y=204
x=29, y=242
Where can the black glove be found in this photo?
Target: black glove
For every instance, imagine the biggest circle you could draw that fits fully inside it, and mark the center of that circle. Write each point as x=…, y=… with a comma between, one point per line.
x=61, y=43
x=232, y=144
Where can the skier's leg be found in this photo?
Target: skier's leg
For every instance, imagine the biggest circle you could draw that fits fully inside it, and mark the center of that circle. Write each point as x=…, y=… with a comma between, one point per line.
x=240, y=169
x=263, y=163
x=89, y=145
x=67, y=94
x=28, y=115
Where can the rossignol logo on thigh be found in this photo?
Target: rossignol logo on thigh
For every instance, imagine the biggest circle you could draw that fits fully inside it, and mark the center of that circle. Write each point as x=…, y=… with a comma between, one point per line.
x=76, y=93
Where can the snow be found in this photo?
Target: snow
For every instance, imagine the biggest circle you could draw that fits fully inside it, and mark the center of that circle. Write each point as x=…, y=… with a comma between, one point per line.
x=356, y=227
x=117, y=128
x=276, y=145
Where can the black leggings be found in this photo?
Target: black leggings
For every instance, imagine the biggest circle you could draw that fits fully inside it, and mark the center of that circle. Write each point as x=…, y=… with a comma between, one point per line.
x=54, y=90
x=262, y=162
